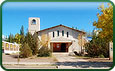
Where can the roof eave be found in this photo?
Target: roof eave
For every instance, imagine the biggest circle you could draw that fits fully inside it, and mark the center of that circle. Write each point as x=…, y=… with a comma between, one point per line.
x=63, y=26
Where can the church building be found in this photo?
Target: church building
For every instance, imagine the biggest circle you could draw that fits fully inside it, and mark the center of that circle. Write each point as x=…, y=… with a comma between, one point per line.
x=62, y=38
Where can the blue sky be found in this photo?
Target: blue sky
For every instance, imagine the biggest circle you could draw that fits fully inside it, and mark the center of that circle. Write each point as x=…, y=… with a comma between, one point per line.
x=76, y=14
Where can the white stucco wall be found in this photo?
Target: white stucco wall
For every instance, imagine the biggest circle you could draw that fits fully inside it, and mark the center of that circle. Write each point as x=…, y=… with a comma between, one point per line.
x=10, y=48
x=33, y=27
x=73, y=35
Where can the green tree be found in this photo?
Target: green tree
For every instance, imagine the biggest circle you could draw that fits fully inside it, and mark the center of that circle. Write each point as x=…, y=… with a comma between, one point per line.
x=97, y=46
x=105, y=22
x=10, y=38
x=30, y=41
x=22, y=34
x=72, y=27
x=36, y=43
x=76, y=28
x=17, y=38
x=25, y=51
x=22, y=30
x=22, y=39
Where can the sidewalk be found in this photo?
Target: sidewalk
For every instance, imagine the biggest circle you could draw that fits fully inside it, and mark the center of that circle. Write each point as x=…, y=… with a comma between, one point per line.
x=28, y=63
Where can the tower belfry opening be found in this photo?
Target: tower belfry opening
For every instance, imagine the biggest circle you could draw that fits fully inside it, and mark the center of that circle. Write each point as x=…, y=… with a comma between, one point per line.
x=34, y=24
x=33, y=21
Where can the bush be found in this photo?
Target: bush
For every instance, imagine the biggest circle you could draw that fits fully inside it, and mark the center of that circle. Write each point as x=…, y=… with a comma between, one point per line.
x=96, y=47
x=25, y=51
x=93, y=50
x=44, y=52
x=101, y=56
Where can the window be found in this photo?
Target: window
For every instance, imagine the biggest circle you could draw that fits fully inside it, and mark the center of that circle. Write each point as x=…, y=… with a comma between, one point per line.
x=53, y=34
x=33, y=21
x=67, y=34
x=7, y=45
x=14, y=46
x=62, y=32
x=58, y=33
x=10, y=45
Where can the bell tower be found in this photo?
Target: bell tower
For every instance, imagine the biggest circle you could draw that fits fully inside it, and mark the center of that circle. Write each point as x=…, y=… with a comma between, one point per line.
x=34, y=24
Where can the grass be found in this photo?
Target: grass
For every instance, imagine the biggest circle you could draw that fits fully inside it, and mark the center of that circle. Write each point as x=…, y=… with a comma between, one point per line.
x=83, y=57
x=54, y=58
x=90, y=59
x=51, y=56
x=99, y=60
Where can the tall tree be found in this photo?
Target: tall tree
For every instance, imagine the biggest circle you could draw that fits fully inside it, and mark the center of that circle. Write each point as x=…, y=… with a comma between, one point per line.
x=29, y=40
x=17, y=38
x=22, y=34
x=10, y=38
x=76, y=28
x=72, y=27
x=36, y=43
x=22, y=30
x=105, y=22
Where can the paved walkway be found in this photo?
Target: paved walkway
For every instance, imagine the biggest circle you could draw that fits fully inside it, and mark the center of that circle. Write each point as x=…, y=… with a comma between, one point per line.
x=69, y=62
x=64, y=57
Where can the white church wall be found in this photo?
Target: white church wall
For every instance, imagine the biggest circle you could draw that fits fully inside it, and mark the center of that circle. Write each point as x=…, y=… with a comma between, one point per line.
x=73, y=35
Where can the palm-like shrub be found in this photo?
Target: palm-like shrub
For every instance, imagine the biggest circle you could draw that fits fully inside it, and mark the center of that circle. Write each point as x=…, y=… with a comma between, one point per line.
x=44, y=51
